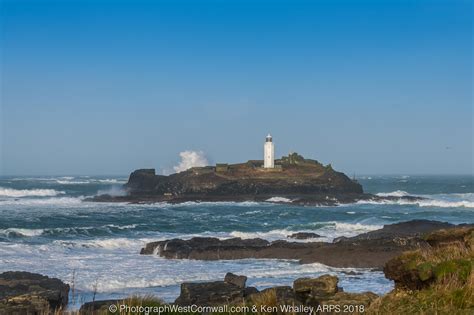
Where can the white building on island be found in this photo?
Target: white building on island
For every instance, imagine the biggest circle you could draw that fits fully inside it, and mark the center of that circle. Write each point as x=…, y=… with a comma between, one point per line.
x=268, y=153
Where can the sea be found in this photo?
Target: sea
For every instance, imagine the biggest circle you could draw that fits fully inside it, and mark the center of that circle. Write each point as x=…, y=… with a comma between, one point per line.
x=47, y=227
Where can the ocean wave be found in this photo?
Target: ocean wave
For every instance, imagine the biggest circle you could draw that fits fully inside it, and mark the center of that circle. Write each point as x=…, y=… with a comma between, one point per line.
x=211, y=203
x=355, y=227
x=106, y=243
x=269, y=235
x=396, y=193
x=278, y=199
x=17, y=193
x=333, y=229
x=72, y=182
x=42, y=179
x=438, y=203
x=67, y=231
x=111, y=181
x=59, y=201
x=19, y=232
x=327, y=230
x=464, y=196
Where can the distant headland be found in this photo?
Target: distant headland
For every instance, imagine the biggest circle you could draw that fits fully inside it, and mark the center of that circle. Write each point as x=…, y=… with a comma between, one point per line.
x=291, y=179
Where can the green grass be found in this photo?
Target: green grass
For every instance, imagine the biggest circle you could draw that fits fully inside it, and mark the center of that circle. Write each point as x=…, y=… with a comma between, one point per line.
x=445, y=269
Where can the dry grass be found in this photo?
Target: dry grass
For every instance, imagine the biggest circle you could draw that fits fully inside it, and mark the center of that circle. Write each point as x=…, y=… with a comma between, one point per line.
x=456, y=250
x=449, y=298
x=267, y=298
x=450, y=268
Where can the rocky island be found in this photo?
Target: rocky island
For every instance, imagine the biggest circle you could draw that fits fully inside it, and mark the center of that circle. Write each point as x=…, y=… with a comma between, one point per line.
x=292, y=179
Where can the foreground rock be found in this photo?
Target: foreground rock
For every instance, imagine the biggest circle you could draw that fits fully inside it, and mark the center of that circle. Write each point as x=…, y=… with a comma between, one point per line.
x=296, y=179
x=31, y=293
x=368, y=250
x=230, y=291
x=449, y=251
x=321, y=293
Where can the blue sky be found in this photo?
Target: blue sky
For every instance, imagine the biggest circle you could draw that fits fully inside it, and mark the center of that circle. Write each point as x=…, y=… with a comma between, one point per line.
x=105, y=87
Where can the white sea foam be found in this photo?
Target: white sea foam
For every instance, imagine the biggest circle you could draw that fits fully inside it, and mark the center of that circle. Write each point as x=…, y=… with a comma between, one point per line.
x=454, y=200
x=113, y=191
x=279, y=199
x=107, y=244
x=17, y=193
x=327, y=230
x=210, y=203
x=330, y=230
x=397, y=193
x=60, y=201
x=190, y=159
x=72, y=182
x=270, y=235
x=111, y=181
x=23, y=232
x=350, y=212
x=18, y=232
x=423, y=203
x=355, y=227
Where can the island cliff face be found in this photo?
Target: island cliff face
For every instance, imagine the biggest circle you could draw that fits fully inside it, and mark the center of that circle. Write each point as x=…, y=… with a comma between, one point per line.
x=294, y=177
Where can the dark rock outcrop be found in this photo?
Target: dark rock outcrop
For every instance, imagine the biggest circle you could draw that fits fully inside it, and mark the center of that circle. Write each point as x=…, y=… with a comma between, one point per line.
x=316, y=287
x=314, y=292
x=236, y=280
x=230, y=291
x=368, y=250
x=30, y=293
x=403, y=229
x=304, y=235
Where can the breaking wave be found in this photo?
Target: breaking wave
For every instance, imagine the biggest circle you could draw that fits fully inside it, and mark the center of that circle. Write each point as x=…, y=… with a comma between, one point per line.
x=17, y=232
x=327, y=230
x=72, y=182
x=278, y=199
x=396, y=193
x=84, y=231
x=465, y=200
x=10, y=192
x=59, y=201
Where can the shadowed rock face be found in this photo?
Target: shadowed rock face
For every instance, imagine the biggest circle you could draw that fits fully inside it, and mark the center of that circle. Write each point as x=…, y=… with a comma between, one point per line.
x=231, y=290
x=368, y=250
x=25, y=293
x=304, y=235
x=305, y=292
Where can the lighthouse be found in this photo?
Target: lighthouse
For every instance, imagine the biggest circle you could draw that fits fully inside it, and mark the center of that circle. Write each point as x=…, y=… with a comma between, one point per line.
x=268, y=153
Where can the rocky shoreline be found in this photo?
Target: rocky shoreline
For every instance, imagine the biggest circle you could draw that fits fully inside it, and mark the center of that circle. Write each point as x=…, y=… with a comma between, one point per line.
x=326, y=199
x=368, y=250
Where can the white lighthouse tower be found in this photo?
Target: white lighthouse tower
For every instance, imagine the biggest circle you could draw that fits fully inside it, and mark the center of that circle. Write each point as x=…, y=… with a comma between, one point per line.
x=268, y=153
